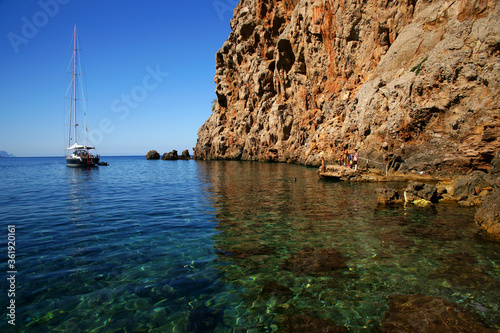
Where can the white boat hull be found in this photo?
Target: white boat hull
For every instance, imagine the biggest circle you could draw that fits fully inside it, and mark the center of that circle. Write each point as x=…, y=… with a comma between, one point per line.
x=76, y=162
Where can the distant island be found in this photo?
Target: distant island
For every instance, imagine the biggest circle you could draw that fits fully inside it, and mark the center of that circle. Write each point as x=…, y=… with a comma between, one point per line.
x=3, y=153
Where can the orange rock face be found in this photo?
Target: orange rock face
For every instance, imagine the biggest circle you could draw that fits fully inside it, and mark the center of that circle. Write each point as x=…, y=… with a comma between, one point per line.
x=417, y=79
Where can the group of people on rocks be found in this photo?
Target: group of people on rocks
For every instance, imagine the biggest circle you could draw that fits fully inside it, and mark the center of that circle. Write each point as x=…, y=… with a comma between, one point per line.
x=346, y=159
x=349, y=159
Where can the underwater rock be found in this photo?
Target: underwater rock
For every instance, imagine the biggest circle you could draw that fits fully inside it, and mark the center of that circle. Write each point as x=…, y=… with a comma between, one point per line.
x=388, y=196
x=315, y=262
x=390, y=237
x=204, y=319
x=435, y=232
x=273, y=288
x=244, y=253
x=416, y=191
x=153, y=155
x=462, y=270
x=420, y=313
x=488, y=215
x=303, y=323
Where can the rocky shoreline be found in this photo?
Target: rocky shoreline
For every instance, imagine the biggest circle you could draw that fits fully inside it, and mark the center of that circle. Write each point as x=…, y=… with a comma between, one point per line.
x=476, y=189
x=414, y=86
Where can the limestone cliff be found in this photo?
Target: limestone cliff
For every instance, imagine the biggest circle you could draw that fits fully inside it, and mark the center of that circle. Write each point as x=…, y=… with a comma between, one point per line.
x=416, y=79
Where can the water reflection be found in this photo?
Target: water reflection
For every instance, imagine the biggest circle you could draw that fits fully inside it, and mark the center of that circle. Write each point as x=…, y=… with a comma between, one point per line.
x=193, y=246
x=81, y=183
x=294, y=244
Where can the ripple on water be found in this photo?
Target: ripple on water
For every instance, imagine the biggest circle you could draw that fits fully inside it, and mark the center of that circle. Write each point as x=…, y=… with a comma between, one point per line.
x=218, y=246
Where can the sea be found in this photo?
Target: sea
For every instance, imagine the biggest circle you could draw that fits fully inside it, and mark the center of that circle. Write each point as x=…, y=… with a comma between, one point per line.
x=223, y=246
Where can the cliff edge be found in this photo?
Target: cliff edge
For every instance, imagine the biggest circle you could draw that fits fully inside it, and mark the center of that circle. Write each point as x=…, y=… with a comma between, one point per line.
x=415, y=79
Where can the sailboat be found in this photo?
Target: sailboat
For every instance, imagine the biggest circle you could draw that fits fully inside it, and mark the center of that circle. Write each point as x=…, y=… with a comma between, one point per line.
x=78, y=154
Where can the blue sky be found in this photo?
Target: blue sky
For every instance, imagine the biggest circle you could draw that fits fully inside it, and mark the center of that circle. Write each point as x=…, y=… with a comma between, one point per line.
x=165, y=46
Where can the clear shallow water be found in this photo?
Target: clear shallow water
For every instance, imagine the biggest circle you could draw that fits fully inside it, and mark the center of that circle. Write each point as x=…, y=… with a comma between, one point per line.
x=191, y=246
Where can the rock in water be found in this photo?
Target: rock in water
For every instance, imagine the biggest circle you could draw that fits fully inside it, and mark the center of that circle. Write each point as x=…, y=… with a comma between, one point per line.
x=419, y=78
x=388, y=196
x=316, y=262
x=420, y=313
x=417, y=191
x=488, y=215
x=172, y=156
x=153, y=155
x=303, y=323
x=185, y=155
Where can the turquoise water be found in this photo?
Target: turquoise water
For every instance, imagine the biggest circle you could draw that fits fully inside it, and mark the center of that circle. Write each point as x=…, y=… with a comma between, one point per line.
x=193, y=246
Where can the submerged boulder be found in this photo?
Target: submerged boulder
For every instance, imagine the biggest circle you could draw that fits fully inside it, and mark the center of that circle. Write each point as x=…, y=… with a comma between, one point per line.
x=316, y=262
x=153, y=155
x=305, y=323
x=420, y=313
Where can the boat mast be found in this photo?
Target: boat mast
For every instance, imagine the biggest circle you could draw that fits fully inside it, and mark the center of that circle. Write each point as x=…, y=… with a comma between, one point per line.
x=74, y=82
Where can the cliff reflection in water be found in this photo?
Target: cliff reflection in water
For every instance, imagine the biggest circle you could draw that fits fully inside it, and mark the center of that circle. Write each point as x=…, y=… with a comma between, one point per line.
x=305, y=253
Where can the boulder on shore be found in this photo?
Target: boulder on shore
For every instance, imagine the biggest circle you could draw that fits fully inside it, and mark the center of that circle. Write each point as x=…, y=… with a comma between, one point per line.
x=488, y=215
x=417, y=191
x=153, y=155
x=472, y=189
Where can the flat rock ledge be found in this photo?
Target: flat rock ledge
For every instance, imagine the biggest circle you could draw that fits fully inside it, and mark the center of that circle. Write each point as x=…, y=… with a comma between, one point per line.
x=340, y=173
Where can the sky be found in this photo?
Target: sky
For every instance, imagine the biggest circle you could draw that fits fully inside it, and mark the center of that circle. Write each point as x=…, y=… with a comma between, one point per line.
x=149, y=69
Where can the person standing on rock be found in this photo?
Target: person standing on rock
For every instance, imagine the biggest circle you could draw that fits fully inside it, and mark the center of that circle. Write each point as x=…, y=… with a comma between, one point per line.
x=322, y=164
x=355, y=159
x=346, y=156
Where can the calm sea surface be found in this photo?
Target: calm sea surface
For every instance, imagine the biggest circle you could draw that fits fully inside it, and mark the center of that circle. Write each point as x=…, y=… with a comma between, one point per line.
x=192, y=246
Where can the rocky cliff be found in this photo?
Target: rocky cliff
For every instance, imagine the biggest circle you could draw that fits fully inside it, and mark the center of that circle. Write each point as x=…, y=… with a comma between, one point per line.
x=415, y=79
